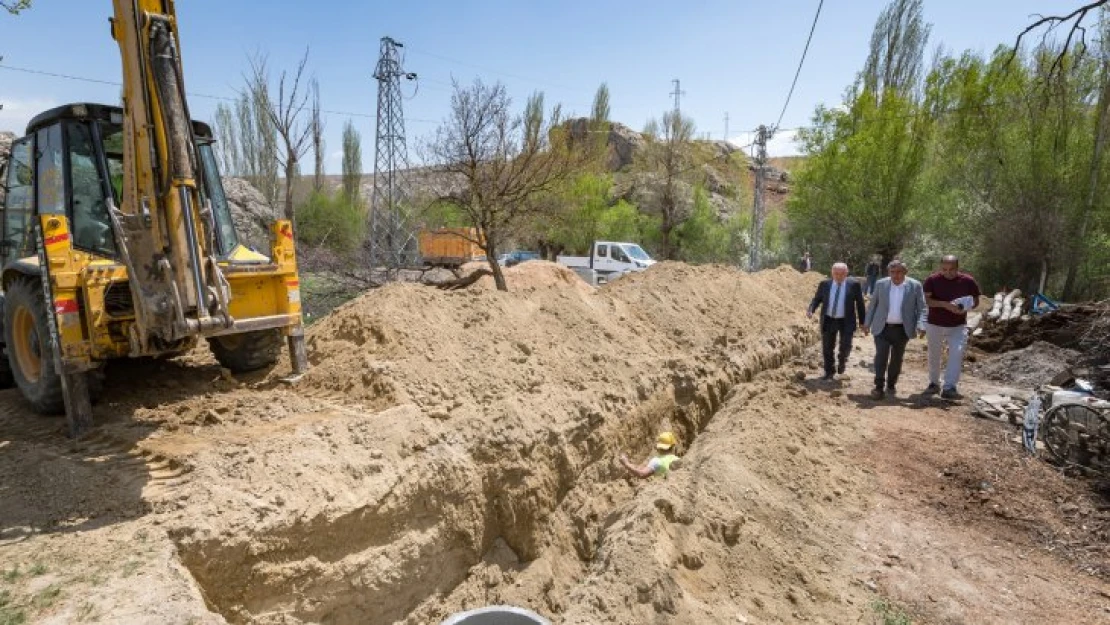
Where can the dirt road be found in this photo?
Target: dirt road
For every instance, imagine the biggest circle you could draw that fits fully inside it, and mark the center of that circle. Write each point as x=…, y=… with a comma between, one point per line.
x=451, y=450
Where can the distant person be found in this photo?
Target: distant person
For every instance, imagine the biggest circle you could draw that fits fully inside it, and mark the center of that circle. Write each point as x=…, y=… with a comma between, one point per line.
x=841, y=302
x=873, y=271
x=806, y=263
x=949, y=293
x=666, y=444
x=895, y=314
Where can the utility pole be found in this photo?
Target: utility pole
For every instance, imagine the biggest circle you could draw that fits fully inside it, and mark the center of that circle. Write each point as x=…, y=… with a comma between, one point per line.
x=763, y=134
x=677, y=93
x=392, y=240
x=726, y=125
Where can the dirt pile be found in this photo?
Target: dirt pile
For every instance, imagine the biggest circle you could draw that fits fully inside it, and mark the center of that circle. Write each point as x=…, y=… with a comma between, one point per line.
x=1065, y=327
x=1028, y=367
x=539, y=274
x=457, y=449
x=752, y=528
x=496, y=420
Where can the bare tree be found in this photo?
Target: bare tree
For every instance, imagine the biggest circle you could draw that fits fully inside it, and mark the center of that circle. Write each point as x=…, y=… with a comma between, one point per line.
x=318, y=146
x=227, y=141
x=667, y=153
x=284, y=112
x=15, y=6
x=352, y=161
x=256, y=139
x=1075, y=19
x=503, y=163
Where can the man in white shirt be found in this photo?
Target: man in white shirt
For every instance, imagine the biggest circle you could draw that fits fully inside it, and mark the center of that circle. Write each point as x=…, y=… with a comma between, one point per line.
x=896, y=312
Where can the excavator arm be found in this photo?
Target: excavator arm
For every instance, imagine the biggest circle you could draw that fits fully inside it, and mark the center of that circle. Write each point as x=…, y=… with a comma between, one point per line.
x=162, y=225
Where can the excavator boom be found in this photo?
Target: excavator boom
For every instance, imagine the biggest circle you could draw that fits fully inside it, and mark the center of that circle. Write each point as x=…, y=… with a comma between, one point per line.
x=176, y=290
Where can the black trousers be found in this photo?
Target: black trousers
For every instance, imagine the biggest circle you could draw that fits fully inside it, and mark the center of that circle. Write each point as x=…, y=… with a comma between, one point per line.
x=890, y=347
x=831, y=330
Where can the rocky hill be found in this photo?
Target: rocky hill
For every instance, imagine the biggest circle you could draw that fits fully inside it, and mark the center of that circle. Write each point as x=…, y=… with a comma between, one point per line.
x=720, y=168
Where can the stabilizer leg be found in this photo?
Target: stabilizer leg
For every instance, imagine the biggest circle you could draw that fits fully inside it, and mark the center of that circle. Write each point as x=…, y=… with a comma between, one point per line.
x=297, y=354
x=75, y=393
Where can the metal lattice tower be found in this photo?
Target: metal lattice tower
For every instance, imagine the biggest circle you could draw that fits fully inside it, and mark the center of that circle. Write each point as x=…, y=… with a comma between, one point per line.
x=392, y=241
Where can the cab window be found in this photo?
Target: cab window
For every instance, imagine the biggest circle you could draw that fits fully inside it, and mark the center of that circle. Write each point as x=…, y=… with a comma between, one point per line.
x=49, y=171
x=603, y=251
x=19, y=204
x=619, y=255
x=226, y=238
x=92, y=228
x=111, y=137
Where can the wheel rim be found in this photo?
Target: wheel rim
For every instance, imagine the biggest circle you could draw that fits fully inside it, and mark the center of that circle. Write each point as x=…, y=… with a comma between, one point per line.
x=27, y=348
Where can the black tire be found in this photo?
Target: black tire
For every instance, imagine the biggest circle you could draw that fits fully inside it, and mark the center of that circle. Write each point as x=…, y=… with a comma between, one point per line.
x=249, y=351
x=7, y=380
x=27, y=342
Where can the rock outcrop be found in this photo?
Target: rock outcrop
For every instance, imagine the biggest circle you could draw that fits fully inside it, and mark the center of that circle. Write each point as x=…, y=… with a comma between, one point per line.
x=250, y=212
x=621, y=141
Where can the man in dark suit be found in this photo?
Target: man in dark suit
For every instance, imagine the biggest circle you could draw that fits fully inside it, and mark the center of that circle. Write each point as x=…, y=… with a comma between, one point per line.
x=842, y=311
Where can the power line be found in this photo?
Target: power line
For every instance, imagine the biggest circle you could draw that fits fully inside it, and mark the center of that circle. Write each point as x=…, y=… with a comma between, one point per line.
x=206, y=96
x=801, y=62
x=934, y=112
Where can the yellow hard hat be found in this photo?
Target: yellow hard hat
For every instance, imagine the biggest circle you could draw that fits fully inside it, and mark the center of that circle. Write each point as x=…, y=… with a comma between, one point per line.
x=666, y=440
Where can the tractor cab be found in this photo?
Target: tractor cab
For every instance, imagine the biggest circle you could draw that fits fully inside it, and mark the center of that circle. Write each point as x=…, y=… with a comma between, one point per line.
x=71, y=164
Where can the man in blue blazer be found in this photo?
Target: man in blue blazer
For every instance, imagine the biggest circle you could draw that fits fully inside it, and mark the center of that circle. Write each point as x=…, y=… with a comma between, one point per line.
x=841, y=302
x=897, y=312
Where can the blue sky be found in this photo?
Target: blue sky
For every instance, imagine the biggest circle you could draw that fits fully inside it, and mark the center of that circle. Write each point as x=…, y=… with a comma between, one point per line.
x=734, y=56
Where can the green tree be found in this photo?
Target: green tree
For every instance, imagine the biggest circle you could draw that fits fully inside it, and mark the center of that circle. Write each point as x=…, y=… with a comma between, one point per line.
x=701, y=237
x=894, y=61
x=860, y=190
x=332, y=221
x=600, y=111
x=667, y=154
x=352, y=161
x=1016, y=154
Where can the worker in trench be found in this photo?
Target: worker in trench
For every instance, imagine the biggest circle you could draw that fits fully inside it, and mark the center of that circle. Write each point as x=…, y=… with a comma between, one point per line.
x=665, y=459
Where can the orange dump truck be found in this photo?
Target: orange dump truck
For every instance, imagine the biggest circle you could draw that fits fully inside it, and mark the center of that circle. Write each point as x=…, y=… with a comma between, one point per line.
x=450, y=247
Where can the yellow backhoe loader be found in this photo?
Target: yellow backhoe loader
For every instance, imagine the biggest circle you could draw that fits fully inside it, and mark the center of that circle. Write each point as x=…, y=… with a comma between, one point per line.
x=117, y=240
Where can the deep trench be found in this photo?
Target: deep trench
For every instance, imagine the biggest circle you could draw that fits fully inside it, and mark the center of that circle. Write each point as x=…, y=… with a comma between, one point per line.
x=397, y=557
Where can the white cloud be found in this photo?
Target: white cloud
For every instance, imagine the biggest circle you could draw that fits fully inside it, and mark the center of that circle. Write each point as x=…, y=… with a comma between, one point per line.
x=17, y=112
x=782, y=144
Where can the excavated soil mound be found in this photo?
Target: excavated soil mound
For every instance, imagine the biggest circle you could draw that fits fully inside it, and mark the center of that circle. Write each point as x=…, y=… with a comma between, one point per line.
x=536, y=274
x=1065, y=327
x=1028, y=367
x=459, y=428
